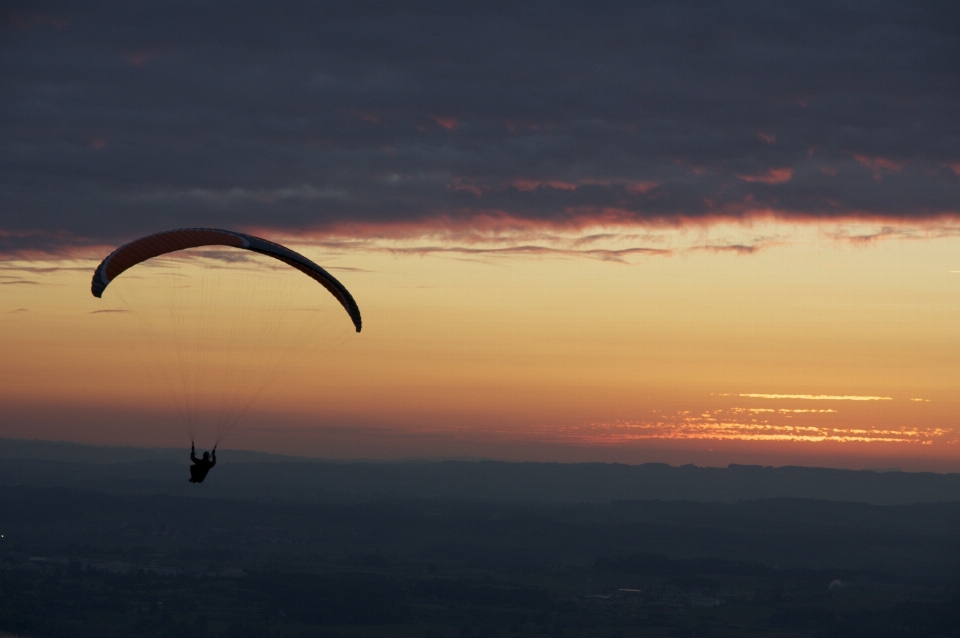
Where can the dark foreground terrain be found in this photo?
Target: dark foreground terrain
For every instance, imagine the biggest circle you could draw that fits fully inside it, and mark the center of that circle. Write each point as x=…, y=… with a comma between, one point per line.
x=256, y=476
x=87, y=563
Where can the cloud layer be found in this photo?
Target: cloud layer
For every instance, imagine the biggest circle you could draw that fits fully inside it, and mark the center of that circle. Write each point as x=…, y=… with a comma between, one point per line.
x=120, y=119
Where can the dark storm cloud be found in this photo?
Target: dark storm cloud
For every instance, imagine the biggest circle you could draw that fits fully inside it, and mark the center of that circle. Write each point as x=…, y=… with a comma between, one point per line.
x=121, y=118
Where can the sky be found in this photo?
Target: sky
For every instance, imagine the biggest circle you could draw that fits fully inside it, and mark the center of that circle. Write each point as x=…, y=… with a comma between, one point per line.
x=679, y=232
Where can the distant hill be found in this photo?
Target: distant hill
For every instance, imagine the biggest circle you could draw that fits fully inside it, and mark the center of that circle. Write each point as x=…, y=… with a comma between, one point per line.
x=253, y=475
x=110, y=454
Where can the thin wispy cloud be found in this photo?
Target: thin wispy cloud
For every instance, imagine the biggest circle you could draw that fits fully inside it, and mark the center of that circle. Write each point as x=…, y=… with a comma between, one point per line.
x=856, y=234
x=620, y=245
x=783, y=410
x=731, y=248
x=348, y=269
x=618, y=255
x=42, y=270
x=816, y=397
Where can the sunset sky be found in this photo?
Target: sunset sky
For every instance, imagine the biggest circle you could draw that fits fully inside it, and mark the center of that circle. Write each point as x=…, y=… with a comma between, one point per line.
x=681, y=232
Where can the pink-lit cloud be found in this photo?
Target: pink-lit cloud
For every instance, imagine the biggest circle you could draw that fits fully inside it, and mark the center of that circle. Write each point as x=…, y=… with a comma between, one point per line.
x=880, y=165
x=771, y=176
x=528, y=185
x=448, y=123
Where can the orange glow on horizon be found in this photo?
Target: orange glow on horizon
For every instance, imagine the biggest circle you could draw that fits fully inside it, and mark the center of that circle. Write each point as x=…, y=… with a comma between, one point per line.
x=810, y=342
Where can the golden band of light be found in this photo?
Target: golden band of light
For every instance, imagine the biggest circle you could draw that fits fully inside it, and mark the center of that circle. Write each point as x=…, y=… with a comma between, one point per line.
x=816, y=397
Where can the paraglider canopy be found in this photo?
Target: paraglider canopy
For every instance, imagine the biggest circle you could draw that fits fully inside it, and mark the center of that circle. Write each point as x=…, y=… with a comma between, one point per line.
x=145, y=248
x=217, y=318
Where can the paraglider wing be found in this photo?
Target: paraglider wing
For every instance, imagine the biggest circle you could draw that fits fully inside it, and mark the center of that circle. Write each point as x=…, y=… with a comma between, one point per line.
x=145, y=248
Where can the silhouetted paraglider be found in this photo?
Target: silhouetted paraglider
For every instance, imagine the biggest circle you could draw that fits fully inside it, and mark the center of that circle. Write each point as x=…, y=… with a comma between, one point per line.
x=200, y=467
x=216, y=352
